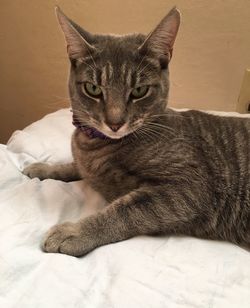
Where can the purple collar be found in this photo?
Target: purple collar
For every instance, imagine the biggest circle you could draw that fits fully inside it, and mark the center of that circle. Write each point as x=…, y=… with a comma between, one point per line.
x=89, y=131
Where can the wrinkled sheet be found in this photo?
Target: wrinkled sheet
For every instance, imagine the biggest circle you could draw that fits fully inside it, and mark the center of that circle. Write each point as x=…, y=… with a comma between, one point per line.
x=172, y=272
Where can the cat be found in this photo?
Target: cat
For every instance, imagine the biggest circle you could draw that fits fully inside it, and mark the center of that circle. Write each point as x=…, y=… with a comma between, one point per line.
x=161, y=171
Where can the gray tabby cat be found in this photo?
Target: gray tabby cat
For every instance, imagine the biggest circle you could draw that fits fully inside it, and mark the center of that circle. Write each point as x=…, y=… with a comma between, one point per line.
x=162, y=172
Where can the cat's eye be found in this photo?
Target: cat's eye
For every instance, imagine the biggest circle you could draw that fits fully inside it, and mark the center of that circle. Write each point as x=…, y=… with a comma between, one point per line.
x=139, y=92
x=92, y=90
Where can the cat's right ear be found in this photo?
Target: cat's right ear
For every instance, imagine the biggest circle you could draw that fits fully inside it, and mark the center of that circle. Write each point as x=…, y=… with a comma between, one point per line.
x=78, y=44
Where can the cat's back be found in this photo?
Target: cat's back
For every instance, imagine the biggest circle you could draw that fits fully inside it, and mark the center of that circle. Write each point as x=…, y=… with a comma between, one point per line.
x=230, y=135
x=223, y=141
x=225, y=150
x=219, y=123
x=198, y=142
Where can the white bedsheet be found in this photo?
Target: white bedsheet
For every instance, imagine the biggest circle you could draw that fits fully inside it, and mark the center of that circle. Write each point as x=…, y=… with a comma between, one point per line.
x=172, y=272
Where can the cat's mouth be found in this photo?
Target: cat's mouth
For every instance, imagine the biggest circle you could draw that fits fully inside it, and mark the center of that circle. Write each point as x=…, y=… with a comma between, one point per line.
x=121, y=133
x=105, y=133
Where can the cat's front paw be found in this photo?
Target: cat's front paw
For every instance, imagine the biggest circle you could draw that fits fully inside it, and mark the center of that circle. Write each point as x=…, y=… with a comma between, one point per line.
x=67, y=238
x=37, y=170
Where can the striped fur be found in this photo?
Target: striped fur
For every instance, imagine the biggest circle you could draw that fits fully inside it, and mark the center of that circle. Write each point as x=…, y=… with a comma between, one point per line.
x=162, y=172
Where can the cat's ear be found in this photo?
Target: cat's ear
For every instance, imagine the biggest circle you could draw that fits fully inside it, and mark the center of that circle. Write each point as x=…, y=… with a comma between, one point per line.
x=78, y=40
x=161, y=39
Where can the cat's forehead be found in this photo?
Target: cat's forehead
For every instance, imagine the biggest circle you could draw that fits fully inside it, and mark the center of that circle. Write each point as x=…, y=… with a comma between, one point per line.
x=117, y=61
x=117, y=49
x=119, y=42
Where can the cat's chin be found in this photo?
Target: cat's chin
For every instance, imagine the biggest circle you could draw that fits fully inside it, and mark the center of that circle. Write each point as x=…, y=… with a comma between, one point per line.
x=123, y=132
x=119, y=135
x=115, y=136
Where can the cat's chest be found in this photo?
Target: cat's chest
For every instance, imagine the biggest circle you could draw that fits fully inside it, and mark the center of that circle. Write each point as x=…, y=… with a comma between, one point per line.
x=103, y=168
x=93, y=165
x=91, y=162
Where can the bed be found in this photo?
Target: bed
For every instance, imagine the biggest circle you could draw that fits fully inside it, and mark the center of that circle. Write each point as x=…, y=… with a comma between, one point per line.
x=172, y=272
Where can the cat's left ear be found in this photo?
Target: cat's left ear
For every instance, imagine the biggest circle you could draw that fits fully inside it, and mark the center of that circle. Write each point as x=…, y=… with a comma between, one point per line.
x=161, y=39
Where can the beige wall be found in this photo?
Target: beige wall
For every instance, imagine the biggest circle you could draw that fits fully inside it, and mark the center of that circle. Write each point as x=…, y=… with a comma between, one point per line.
x=211, y=53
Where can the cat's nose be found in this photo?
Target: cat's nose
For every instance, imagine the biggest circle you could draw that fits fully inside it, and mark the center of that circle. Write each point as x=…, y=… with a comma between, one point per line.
x=115, y=127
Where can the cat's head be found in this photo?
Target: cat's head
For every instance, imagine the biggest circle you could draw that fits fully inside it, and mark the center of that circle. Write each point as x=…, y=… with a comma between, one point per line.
x=117, y=83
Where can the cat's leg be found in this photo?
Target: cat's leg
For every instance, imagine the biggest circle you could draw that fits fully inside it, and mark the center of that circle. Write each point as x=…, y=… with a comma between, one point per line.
x=142, y=212
x=63, y=172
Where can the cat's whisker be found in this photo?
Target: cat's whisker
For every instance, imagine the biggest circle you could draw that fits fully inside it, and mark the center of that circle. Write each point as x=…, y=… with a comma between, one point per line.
x=157, y=126
x=154, y=134
x=150, y=135
x=157, y=132
x=135, y=132
x=147, y=133
x=80, y=110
